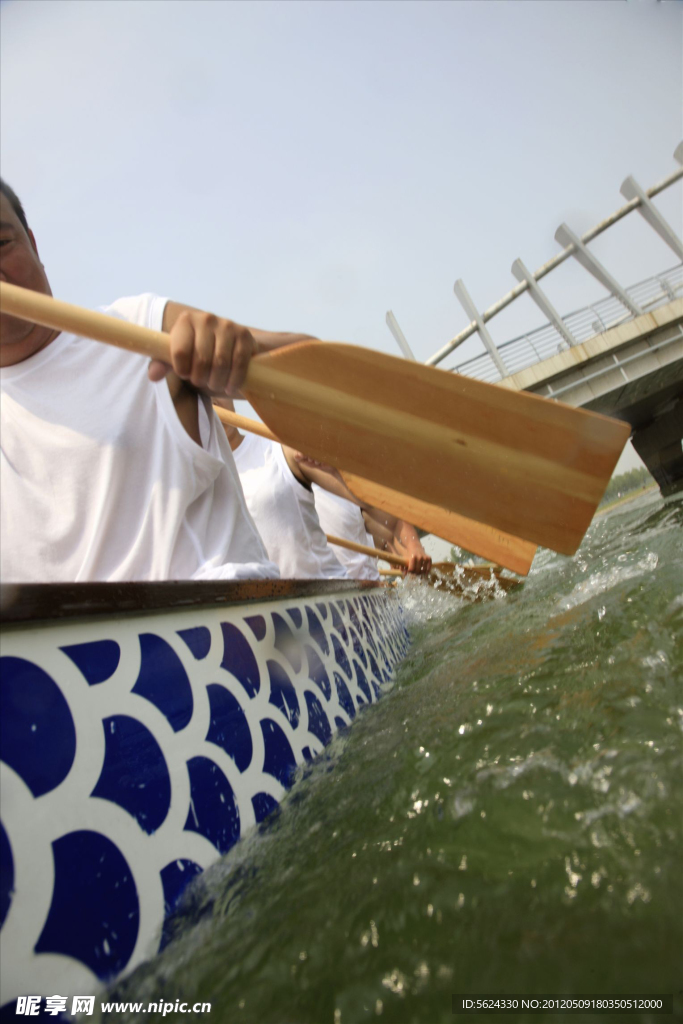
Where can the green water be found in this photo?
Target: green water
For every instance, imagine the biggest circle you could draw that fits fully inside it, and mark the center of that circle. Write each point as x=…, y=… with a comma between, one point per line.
x=508, y=819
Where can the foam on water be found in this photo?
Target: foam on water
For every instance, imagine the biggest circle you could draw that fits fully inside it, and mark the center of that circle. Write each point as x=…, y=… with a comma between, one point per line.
x=599, y=582
x=445, y=594
x=423, y=603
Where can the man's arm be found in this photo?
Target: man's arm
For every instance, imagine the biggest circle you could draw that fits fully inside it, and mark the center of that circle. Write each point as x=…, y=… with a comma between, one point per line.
x=397, y=536
x=210, y=352
x=388, y=532
x=310, y=471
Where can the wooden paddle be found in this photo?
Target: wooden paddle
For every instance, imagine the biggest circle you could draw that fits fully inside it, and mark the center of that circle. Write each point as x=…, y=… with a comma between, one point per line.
x=465, y=583
x=233, y=419
x=387, y=556
x=487, y=542
x=455, y=578
x=365, y=549
x=525, y=465
x=528, y=466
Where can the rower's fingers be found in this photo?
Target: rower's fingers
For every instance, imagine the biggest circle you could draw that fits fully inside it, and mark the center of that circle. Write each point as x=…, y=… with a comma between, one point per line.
x=181, y=341
x=419, y=563
x=242, y=351
x=205, y=328
x=223, y=355
x=157, y=370
x=423, y=561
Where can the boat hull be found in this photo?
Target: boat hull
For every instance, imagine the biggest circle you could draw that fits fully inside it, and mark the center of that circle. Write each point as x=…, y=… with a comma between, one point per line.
x=137, y=746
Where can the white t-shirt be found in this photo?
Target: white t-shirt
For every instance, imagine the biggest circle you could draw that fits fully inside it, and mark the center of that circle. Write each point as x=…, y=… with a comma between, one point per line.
x=284, y=512
x=100, y=480
x=341, y=518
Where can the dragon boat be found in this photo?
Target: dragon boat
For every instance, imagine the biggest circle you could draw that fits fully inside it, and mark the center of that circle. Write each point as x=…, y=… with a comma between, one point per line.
x=144, y=729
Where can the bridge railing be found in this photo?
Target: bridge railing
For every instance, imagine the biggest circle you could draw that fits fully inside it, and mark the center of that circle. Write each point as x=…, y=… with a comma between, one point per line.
x=544, y=342
x=562, y=332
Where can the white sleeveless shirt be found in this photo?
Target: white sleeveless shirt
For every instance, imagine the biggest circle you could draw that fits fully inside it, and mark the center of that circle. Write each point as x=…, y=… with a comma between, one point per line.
x=341, y=518
x=284, y=512
x=101, y=481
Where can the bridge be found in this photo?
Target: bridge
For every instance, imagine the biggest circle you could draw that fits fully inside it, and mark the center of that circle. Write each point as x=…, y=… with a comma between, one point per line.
x=622, y=356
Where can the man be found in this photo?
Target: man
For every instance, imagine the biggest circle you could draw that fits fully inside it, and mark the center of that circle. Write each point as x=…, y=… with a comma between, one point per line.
x=341, y=515
x=279, y=497
x=286, y=495
x=111, y=469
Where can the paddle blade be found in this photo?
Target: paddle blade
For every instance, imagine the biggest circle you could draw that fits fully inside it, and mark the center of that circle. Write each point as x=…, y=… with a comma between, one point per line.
x=502, y=548
x=528, y=466
x=510, y=552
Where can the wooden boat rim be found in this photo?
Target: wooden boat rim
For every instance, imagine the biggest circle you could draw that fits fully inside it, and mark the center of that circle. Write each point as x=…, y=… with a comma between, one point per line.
x=35, y=602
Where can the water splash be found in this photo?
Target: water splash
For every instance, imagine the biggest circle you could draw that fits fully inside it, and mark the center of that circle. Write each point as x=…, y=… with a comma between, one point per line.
x=628, y=568
x=536, y=843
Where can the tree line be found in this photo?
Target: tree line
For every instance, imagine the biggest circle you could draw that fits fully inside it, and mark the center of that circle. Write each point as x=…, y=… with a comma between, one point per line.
x=625, y=482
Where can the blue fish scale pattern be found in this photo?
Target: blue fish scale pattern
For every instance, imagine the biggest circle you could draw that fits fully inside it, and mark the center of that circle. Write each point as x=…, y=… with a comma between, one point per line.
x=135, y=753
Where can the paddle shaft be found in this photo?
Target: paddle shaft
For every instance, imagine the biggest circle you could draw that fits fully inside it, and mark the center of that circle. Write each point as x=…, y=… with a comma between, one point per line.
x=63, y=316
x=39, y=308
x=233, y=419
x=364, y=549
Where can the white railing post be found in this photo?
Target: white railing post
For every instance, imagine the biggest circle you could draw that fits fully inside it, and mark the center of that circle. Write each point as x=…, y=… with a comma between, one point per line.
x=566, y=237
x=542, y=301
x=630, y=189
x=559, y=258
x=399, y=336
x=465, y=300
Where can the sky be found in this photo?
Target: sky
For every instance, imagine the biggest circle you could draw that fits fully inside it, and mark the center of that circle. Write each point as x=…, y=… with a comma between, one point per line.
x=307, y=165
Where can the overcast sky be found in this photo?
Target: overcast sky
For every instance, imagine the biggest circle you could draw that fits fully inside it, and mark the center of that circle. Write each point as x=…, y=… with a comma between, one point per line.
x=310, y=164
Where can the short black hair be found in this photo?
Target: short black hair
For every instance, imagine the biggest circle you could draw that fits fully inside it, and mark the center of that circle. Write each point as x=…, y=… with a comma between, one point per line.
x=15, y=203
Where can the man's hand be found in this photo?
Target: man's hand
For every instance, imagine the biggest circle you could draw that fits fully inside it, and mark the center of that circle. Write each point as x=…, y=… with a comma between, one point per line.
x=207, y=351
x=211, y=352
x=399, y=537
x=418, y=560
x=408, y=545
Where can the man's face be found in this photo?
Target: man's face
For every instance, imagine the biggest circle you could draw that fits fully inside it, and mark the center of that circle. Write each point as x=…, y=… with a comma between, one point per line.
x=19, y=264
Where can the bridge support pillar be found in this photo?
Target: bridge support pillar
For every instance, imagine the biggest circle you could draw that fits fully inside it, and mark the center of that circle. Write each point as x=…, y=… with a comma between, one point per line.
x=659, y=446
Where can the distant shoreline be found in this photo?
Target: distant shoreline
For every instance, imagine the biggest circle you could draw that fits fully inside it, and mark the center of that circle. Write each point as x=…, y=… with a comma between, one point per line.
x=625, y=499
